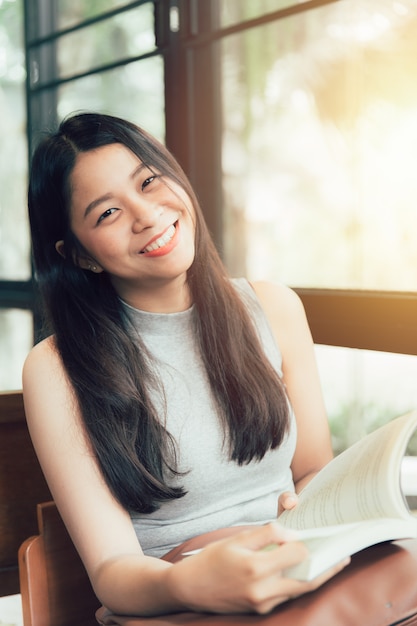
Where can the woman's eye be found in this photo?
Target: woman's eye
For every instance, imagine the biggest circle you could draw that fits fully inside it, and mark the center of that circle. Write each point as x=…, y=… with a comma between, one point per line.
x=106, y=214
x=148, y=181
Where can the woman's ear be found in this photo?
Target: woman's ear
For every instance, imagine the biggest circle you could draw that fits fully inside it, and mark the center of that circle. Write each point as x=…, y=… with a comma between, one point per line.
x=84, y=262
x=60, y=247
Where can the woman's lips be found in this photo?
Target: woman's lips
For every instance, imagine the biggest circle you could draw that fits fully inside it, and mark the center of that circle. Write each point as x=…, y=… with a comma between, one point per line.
x=163, y=243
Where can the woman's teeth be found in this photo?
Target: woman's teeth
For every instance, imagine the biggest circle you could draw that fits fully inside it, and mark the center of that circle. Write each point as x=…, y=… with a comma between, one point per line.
x=162, y=241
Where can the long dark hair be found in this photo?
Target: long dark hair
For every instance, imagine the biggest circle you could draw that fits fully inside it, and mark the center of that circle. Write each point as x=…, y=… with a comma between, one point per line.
x=109, y=372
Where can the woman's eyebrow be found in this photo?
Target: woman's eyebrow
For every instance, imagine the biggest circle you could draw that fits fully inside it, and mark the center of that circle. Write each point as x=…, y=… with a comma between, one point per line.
x=94, y=203
x=137, y=170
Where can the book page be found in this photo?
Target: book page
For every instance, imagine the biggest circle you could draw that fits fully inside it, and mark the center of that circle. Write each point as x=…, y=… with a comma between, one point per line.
x=361, y=483
x=327, y=546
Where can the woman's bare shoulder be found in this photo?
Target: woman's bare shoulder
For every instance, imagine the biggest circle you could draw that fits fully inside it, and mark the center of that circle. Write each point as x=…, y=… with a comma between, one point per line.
x=278, y=300
x=43, y=374
x=43, y=354
x=43, y=348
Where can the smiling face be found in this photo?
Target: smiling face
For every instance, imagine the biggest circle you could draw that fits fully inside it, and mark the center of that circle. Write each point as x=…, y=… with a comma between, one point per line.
x=134, y=224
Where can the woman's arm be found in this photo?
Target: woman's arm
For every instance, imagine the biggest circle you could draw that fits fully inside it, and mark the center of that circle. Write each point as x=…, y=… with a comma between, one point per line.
x=286, y=315
x=231, y=575
x=100, y=528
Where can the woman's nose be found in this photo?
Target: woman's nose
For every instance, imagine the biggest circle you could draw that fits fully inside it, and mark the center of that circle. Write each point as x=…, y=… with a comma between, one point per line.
x=145, y=215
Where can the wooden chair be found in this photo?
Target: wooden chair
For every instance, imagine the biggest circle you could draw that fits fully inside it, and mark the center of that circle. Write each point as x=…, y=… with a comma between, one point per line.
x=22, y=486
x=54, y=584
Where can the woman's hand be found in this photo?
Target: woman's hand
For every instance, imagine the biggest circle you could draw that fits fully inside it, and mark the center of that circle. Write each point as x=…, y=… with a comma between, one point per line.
x=235, y=575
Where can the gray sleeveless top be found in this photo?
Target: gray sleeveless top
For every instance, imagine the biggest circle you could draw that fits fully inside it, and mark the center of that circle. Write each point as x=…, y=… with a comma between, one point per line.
x=220, y=493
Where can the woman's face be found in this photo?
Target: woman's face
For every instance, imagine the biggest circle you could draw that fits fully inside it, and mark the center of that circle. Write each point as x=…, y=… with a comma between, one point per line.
x=134, y=224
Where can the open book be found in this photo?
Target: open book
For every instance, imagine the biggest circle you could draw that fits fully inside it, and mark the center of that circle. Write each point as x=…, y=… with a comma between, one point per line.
x=355, y=501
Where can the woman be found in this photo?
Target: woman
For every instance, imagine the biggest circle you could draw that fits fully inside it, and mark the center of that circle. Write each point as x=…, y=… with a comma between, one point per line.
x=160, y=404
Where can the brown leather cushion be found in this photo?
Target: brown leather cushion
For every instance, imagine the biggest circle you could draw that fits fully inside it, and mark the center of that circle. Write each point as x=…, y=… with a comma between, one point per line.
x=379, y=588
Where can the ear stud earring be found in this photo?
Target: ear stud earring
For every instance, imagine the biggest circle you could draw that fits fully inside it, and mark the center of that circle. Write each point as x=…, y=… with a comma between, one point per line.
x=93, y=268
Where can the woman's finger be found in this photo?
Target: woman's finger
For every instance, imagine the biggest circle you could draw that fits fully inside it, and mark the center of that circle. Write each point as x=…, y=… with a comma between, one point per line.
x=275, y=590
x=287, y=501
x=260, y=537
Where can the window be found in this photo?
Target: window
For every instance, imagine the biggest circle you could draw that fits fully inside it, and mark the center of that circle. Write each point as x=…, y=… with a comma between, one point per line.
x=16, y=327
x=94, y=56
x=320, y=136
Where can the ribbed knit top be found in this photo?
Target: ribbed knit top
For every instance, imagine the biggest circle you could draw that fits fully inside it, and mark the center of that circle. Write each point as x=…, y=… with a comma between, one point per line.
x=220, y=493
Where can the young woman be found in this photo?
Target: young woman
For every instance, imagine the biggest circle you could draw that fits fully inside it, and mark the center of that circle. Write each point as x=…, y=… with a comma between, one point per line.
x=166, y=400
